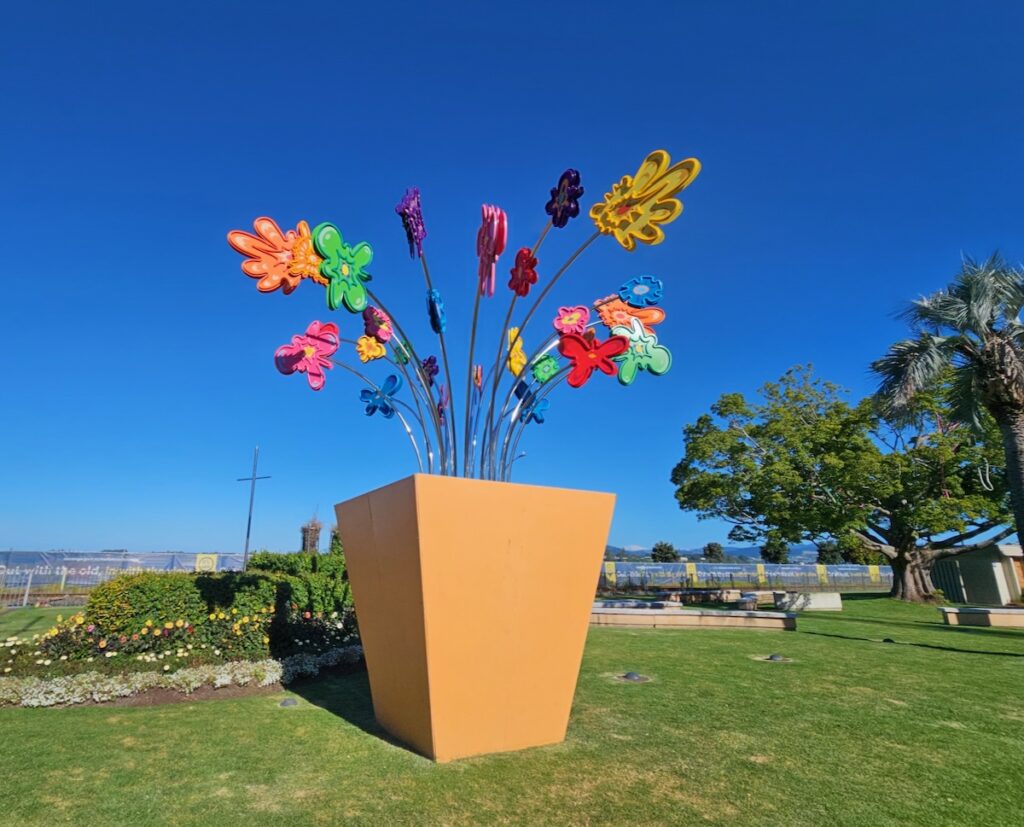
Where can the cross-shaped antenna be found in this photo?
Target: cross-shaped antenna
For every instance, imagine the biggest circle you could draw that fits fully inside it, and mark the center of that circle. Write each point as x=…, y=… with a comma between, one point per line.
x=252, y=495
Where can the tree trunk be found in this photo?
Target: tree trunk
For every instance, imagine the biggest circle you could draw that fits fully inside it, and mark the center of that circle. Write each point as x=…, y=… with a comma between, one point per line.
x=1011, y=426
x=912, y=575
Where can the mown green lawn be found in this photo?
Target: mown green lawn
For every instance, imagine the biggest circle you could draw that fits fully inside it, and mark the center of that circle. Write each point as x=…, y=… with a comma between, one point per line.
x=28, y=621
x=928, y=730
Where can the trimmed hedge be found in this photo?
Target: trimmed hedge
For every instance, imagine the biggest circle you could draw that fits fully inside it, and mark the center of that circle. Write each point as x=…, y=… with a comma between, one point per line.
x=123, y=605
x=292, y=583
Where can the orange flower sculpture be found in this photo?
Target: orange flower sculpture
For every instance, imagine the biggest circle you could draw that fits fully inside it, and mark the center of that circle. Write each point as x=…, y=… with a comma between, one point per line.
x=278, y=259
x=637, y=205
x=616, y=313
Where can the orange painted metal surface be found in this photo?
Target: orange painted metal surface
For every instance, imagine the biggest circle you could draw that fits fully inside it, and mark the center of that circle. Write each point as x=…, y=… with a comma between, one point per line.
x=473, y=599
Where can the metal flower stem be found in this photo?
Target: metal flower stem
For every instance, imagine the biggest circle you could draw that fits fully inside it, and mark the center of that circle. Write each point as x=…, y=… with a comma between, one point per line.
x=418, y=367
x=503, y=336
x=515, y=410
x=494, y=434
x=543, y=349
x=470, y=460
x=408, y=430
x=469, y=380
x=396, y=345
x=533, y=308
x=450, y=418
x=506, y=464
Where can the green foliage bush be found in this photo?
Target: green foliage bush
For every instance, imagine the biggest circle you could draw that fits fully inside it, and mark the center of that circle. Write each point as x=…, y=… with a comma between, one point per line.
x=122, y=606
x=307, y=583
x=288, y=604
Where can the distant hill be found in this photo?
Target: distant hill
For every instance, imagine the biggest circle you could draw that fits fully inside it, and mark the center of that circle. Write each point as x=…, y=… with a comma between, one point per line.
x=802, y=553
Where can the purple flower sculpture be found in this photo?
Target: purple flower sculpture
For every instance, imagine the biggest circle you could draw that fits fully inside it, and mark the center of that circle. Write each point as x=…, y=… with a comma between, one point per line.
x=564, y=203
x=430, y=369
x=412, y=220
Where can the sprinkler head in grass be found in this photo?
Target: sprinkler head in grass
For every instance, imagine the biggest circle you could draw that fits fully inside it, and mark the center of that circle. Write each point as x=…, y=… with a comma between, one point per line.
x=289, y=702
x=776, y=658
x=634, y=677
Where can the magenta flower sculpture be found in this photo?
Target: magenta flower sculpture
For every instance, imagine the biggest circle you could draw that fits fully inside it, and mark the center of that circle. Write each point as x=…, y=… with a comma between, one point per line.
x=509, y=393
x=490, y=243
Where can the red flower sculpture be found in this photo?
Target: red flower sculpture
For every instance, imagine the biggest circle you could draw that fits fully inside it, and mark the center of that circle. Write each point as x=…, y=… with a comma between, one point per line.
x=590, y=354
x=524, y=274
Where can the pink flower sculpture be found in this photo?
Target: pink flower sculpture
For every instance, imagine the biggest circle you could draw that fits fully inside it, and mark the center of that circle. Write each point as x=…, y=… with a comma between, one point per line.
x=490, y=243
x=572, y=319
x=309, y=353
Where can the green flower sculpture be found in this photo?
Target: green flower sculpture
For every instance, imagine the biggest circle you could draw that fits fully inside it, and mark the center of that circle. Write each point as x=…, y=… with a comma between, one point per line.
x=343, y=266
x=643, y=353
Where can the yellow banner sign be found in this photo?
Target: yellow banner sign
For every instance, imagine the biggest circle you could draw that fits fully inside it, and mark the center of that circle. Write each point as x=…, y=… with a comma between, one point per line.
x=206, y=562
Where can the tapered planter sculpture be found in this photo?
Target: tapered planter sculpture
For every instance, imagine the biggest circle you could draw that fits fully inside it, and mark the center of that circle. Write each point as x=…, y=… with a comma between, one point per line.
x=473, y=599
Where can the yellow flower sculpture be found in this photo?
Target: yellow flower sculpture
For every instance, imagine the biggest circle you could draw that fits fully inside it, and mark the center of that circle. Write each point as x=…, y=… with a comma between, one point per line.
x=369, y=348
x=636, y=206
x=516, y=356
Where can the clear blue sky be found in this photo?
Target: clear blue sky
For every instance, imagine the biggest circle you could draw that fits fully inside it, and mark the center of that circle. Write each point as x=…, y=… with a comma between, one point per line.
x=851, y=151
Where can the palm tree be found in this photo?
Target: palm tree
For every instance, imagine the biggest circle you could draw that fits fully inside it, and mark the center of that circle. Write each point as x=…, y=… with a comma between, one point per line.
x=973, y=329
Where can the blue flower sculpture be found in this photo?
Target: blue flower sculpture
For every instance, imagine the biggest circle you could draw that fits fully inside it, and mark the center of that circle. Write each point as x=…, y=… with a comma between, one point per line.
x=380, y=399
x=643, y=291
x=435, y=308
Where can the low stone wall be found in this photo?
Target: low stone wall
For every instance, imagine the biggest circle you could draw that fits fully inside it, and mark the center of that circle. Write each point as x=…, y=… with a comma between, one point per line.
x=672, y=618
x=809, y=601
x=1011, y=618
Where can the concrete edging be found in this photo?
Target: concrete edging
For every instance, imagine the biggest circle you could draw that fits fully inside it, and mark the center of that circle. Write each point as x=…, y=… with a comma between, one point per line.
x=690, y=619
x=978, y=616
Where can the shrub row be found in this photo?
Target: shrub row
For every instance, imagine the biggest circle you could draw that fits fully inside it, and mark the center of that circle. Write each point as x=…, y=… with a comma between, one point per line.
x=183, y=619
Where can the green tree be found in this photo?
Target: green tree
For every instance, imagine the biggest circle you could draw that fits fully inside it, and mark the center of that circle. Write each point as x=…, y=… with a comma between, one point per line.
x=335, y=547
x=714, y=553
x=972, y=327
x=800, y=464
x=774, y=549
x=664, y=553
x=829, y=553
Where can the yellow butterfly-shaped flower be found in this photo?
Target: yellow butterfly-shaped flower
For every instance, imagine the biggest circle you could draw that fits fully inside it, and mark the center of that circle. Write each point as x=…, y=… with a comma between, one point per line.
x=516, y=355
x=638, y=204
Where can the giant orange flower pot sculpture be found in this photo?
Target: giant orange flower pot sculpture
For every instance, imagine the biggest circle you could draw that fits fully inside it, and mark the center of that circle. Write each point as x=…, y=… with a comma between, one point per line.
x=473, y=599
x=472, y=593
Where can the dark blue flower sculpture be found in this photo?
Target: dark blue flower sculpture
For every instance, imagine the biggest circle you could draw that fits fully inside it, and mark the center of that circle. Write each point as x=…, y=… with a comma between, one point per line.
x=532, y=409
x=380, y=399
x=430, y=369
x=564, y=203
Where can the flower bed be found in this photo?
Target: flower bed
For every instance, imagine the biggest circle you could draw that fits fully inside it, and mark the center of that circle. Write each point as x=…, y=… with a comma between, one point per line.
x=98, y=687
x=165, y=622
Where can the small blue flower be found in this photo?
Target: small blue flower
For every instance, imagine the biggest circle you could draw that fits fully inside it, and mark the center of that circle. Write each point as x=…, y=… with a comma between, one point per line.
x=531, y=410
x=380, y=399
x=643, y=291
x=435, y=308
x=535, y=412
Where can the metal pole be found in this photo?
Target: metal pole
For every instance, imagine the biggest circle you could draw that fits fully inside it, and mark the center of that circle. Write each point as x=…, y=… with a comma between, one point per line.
x=252, y=496
x=28, y=585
